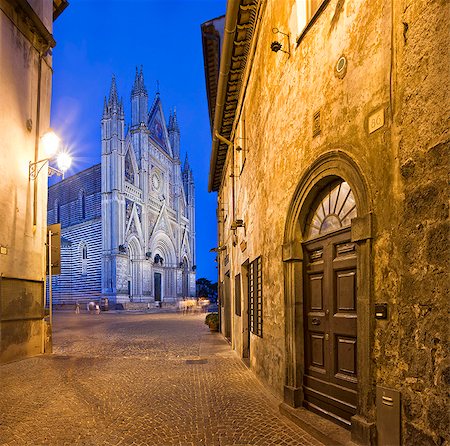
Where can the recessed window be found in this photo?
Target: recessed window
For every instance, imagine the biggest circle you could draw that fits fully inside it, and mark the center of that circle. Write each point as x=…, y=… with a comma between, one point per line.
x=57, y=210
x=83, y=205
x=84, y=258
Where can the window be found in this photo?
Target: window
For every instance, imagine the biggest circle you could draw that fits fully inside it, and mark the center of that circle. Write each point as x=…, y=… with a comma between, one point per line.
x=84, y=259
x=237, y=295
x=334, y=209
x=57, y=211
x=306, y=13
x=255, y=310
x=83, y=204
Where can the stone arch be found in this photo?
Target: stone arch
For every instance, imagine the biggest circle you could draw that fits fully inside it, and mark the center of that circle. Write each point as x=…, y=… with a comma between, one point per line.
x=331, y=166
x=135, y=258
x=163, y=245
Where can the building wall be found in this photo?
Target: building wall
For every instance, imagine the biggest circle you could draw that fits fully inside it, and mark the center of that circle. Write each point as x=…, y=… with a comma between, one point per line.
x=22, y=235
x=80, y=279
x=395, y=64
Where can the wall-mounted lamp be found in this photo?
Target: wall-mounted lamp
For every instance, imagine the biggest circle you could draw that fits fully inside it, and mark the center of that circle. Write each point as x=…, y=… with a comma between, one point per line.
x=50, y=143
x=276, y=46
x=218, y=249
x=237, y=224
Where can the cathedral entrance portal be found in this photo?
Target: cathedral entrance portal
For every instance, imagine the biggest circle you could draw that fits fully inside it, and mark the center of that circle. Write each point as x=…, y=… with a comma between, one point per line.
x=158, y=293
x=134, y=270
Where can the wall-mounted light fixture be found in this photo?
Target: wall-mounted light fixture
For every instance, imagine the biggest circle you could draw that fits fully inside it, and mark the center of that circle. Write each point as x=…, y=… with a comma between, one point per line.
x=50, y=143
x=238, y=223
x=218, y=249
x=276, y=46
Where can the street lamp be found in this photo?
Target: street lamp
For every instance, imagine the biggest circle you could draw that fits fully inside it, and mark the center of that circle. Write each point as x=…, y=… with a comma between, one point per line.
x=50, y=144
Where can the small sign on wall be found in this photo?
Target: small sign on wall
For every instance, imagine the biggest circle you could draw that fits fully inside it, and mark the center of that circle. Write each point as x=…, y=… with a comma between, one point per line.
x=376, y=120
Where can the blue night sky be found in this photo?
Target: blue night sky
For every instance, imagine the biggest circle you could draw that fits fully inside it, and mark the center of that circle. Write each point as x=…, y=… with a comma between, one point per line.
x=98, y=38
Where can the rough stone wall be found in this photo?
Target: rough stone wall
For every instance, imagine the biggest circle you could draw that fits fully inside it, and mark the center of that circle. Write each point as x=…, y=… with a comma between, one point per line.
x=413, y=347
x=282, y=95
x=397, y=62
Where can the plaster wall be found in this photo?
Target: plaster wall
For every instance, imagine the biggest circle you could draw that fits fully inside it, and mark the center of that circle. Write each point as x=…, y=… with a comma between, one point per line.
x=396, y=64
x=21, y=239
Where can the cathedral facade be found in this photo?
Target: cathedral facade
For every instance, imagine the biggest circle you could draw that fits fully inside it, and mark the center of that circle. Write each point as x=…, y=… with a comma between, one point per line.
x=128, y=224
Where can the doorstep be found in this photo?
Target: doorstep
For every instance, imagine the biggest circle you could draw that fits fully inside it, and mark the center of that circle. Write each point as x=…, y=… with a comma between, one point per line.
x=327, y=432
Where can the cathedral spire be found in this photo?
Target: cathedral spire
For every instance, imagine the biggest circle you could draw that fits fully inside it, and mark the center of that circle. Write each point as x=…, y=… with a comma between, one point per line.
x=186, y=166
x=135, y=89
x=113, y=98
x=141, y=81
x=175, y=121
x=105, y=107
x=139, y=100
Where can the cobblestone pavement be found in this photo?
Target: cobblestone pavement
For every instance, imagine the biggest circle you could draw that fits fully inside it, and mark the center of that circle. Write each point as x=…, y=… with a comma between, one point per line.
x=138, y=379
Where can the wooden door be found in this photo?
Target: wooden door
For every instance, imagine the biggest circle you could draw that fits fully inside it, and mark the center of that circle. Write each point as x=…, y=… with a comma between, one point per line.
x=330, y=377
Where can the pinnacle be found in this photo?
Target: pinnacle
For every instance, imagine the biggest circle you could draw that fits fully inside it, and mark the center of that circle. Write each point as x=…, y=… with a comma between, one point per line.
x=113, y=98
x=139, y=85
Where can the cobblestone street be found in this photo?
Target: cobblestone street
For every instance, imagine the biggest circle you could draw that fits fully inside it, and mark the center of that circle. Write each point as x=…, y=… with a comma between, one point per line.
x=138, y=379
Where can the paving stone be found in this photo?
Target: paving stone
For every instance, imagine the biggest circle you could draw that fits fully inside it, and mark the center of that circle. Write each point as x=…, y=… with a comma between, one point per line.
x=159, y=379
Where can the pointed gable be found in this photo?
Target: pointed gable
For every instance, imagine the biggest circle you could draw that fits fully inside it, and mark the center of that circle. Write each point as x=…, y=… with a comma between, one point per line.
x=157, y=126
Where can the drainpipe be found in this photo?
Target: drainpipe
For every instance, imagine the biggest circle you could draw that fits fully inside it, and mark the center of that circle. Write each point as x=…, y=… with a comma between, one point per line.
x=225, y=65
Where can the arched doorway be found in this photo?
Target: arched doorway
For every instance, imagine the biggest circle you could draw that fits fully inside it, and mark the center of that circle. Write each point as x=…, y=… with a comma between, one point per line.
x=164, y=268
x=185, y=277
x=307, y=238
x=330, y=305
x=134, y=270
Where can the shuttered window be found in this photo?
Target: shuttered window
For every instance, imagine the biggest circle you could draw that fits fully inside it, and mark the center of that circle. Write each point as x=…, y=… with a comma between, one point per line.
x=255, y=297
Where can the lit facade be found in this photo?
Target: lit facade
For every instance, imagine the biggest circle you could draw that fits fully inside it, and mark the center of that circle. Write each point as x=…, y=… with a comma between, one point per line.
x=329, y=157
x=25, y=92
x=128, y=224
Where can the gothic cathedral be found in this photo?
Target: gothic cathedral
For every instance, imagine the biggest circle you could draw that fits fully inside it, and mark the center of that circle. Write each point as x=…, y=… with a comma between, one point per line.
x=130, y=234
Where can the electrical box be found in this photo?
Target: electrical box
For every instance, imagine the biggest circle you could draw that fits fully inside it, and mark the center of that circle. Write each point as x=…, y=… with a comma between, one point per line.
x=388, y=416
x=380, y=311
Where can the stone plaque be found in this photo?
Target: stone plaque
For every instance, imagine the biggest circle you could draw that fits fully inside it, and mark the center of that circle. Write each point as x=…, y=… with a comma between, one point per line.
x=376, y=120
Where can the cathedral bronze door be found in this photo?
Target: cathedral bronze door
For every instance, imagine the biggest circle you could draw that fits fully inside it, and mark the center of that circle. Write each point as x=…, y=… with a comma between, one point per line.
x=157, y=279
x=330, y=300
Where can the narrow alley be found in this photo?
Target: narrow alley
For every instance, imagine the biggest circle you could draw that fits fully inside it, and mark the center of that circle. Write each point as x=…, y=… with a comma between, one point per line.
x=139, y=379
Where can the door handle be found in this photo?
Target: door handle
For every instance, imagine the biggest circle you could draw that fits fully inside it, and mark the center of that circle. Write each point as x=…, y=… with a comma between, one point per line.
x=315, y=321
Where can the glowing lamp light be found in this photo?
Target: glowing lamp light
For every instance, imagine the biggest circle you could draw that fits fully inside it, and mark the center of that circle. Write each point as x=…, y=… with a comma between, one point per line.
x=64, y=161
x=50, y=143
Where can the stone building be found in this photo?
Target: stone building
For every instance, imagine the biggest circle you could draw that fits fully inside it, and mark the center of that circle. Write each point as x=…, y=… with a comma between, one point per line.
x=330, y=159
x=25, y=92
x=128, y=224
